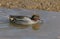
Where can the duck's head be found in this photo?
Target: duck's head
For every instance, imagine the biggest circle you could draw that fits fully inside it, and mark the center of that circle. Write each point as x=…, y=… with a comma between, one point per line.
x=35, y=17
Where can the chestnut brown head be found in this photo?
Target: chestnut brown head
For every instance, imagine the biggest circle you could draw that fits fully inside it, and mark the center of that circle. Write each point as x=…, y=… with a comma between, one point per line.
x=35, y=17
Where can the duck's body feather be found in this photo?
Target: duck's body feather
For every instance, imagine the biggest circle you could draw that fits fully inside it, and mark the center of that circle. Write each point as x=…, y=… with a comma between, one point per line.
x=26, y=21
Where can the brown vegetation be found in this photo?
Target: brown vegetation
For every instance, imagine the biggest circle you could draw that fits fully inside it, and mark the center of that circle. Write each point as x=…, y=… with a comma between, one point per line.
x=51, y=5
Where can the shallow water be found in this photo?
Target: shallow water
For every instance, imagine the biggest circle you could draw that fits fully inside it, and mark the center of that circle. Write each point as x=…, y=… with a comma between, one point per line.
x=50, y=29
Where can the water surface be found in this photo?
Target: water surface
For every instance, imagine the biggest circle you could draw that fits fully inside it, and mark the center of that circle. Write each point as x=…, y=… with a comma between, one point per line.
x=50, y=29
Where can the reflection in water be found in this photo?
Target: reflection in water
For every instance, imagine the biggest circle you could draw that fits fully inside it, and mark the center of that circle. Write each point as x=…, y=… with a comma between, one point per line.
x=18, y=26
x=8, y=25
x=36, y=26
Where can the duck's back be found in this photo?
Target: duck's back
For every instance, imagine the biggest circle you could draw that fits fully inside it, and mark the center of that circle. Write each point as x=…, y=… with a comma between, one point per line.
x=24, y=20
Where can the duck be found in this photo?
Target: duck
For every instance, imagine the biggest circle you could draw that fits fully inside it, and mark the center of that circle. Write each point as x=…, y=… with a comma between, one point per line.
x=25, y=20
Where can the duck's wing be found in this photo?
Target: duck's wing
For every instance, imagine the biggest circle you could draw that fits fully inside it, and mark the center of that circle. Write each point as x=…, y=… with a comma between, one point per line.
x=24, y=19
x=17, y=16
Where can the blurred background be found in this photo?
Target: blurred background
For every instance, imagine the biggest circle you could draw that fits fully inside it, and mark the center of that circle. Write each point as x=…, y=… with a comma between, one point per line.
x=50, y=5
